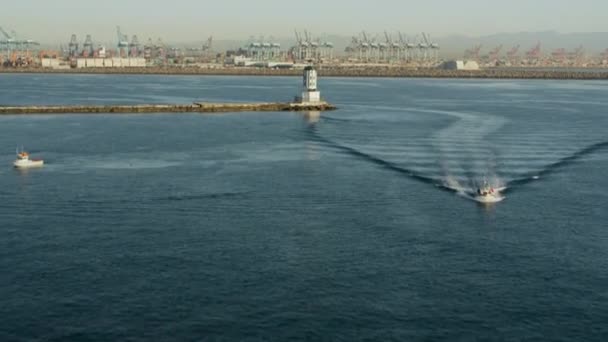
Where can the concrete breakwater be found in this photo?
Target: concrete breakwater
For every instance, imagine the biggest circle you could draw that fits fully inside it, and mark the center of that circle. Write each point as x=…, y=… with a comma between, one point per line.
x=343, y=71
x=198, y=107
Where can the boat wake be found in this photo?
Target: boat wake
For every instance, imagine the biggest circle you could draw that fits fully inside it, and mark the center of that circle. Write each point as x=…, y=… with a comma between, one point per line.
x=449, y=184
x=554, y=167
x=378, y=161
x=465, y=161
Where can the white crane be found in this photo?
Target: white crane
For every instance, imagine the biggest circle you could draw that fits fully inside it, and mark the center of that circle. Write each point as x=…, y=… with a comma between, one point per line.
x=304, y=47
x=434, y=49
x=312, y=45
x=411, y=47
x=386, y=48
x=123, y=42
x=207, y=48
x=88, y=46
x=9, y=40
x=423, y=46
x=134, y=46
x=375, y=49
x=365, y=46
x=73, y=46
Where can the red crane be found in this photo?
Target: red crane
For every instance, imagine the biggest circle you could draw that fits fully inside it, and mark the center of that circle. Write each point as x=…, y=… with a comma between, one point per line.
x=578, y=53
x=493, y=55
x=535, y=52
x=512, y=54
x=473, y=53
x=559, y=55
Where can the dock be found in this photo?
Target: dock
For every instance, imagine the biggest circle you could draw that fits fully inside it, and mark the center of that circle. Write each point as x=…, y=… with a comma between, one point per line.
x=197, y=107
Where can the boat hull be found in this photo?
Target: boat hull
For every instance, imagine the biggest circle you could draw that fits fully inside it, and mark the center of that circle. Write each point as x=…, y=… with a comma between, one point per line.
x=488, y=198
x=28, y=164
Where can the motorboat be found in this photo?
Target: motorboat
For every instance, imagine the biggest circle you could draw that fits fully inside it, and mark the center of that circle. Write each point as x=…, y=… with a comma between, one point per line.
x=487, y=194
x=24, y=162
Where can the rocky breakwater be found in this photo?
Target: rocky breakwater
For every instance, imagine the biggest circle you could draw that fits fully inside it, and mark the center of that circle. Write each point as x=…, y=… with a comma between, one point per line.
x=198, y=107
x=346, y=71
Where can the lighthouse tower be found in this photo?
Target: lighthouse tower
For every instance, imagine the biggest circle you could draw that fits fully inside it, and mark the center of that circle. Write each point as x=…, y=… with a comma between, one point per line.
x=310, y=94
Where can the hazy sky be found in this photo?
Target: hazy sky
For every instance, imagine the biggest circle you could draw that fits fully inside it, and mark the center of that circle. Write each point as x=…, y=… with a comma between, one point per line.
x=193, y=20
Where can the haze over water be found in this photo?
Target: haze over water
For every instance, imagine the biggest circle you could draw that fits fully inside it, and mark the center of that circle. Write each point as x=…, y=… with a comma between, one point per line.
x=277, y=226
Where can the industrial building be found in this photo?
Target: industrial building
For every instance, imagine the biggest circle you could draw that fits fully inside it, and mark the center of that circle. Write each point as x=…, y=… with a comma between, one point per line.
x=461, y=65
x=114, y=62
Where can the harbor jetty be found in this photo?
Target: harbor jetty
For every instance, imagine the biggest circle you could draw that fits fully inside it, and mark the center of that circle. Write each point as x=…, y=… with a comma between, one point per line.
x=309, y=101
x=343, y=71
x=198, y=107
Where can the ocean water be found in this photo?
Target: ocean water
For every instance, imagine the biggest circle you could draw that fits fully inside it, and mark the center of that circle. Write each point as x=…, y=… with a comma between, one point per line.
x=356, y=224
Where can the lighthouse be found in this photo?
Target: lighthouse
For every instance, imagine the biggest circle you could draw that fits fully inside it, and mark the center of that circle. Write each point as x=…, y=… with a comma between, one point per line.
x=310, y=93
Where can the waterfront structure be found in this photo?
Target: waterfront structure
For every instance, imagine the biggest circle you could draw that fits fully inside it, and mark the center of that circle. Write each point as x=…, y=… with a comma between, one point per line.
x=310, y=94
x=113, y=62
x=461, y=65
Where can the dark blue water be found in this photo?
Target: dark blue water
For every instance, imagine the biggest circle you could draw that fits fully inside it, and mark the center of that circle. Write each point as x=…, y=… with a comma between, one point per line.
x=288, y=226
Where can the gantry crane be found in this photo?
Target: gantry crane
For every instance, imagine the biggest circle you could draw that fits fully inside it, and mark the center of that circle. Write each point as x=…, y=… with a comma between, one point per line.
x=493, y=55
x=123, y=42
x=88, y=46
x=512, y=54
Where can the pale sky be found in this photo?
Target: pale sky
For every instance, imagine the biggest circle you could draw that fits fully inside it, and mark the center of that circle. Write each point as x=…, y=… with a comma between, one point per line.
x=53, y=21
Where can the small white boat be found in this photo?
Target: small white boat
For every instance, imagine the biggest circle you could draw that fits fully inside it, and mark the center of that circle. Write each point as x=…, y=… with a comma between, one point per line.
x=487, y=194
x=24, y=162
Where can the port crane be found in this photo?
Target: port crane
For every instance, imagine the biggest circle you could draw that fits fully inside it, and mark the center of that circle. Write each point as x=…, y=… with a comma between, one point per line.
x=313, y=46
x=579, y=55
x=354, y=46
x=365, y=46
x=396, y=46
x=209, y=45
x=403, y=46
x=17, y=51
x=535, y=52
x=27, y=43
x=300, y=46
x=473, y=53
x=16, y=41
x=386, y=48
x=73, y=46
x=579, y=51
x=410, y=48
x=88, y=46
x=327, y=49
x=134, y=46
x=123, y=42
x=375, y=49
x=559, y=55
x=434, y=48
x=423, y=46
x=9, y=40
x=512, y=54
x=493, y=55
